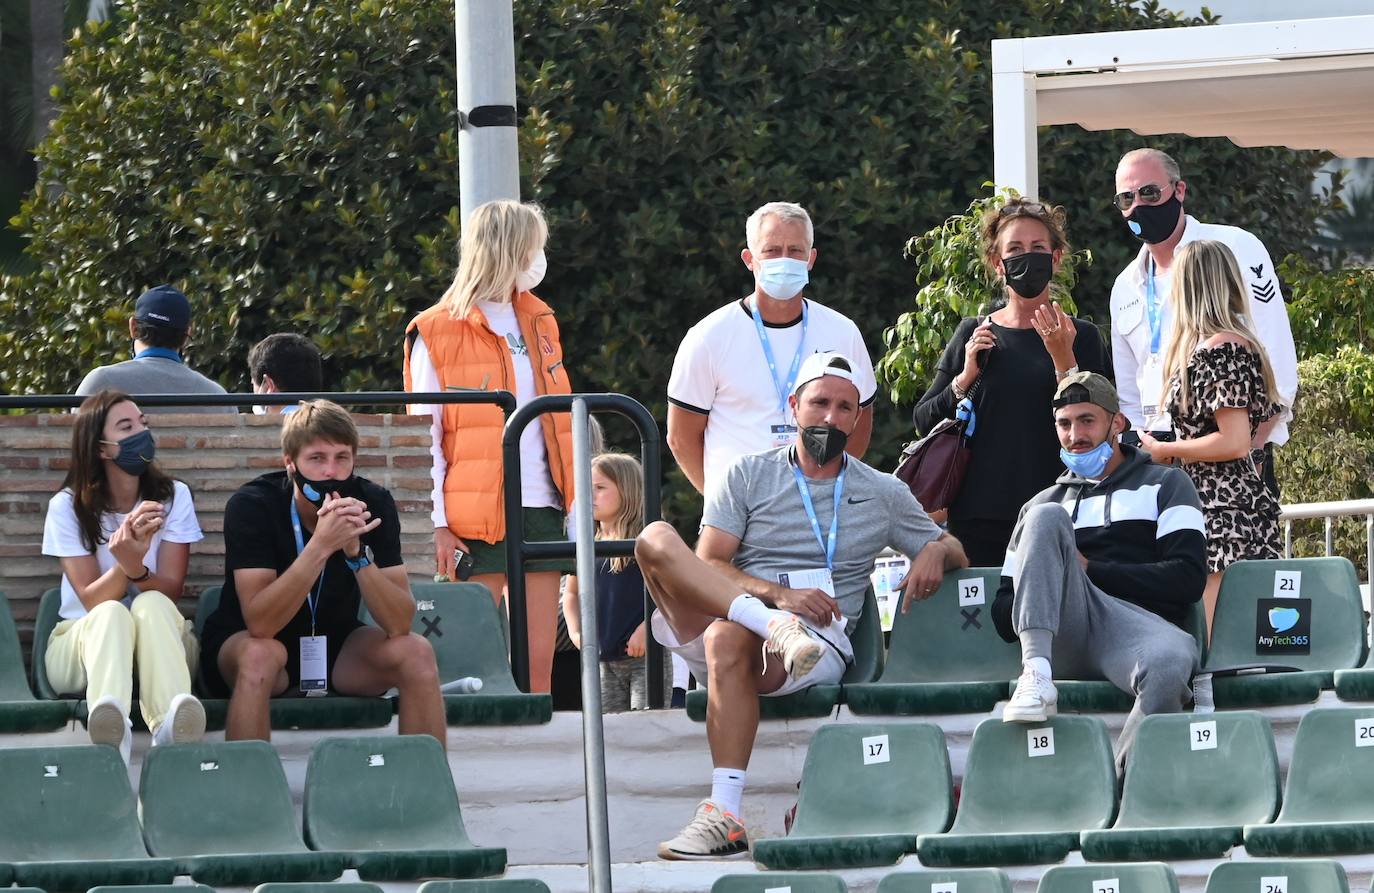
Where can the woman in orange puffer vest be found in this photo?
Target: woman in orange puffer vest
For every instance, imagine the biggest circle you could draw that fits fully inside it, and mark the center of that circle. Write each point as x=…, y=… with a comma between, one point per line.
x=489, y=332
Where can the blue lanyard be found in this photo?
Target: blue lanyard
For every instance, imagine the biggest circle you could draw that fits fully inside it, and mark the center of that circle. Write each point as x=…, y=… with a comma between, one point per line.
x=828, y=543
x=1152, y=305
x=784, y=388
x=165, y=353
x=313, y=600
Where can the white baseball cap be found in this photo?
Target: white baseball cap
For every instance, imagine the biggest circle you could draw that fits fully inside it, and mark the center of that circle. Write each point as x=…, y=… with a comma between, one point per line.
x=821, y=364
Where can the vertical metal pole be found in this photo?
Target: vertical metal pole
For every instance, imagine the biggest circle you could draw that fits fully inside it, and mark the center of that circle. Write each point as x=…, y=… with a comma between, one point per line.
x=1287, y=539
x=593, y=743
x=1330, y=539
x=1369, y=550
x=1015, y=152
x=488, y=155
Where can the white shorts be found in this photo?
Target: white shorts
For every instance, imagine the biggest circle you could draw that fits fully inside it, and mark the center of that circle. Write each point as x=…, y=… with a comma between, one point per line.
x=827, y=671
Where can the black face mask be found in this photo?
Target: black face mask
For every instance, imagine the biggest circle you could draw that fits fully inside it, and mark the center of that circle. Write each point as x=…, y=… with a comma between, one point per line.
x=315, y=491
x=1028, y=273
x=1153, y=224
x=823, y=443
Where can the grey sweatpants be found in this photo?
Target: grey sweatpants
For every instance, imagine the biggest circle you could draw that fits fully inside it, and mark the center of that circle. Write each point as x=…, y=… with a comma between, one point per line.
x=1095, y=634
x=625, y=684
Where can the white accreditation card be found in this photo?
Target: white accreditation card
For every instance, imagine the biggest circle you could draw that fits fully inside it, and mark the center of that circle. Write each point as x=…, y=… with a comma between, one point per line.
x=315, y=665
x=813, y=578
x=782, y=435
x=1151, y=381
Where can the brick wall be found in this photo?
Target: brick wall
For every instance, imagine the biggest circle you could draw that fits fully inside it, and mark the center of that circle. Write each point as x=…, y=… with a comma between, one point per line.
x=214, y=455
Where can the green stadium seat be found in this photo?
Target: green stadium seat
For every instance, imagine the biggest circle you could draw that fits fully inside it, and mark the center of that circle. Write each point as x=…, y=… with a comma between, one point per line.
x=1357, y=685
x=316, y=887
x=1328, y=801
x=390, y=804
x=1278, y=876
x=946, y=880
x=780, y=882
x=820, y=700
x=1336, y=621
x=1019, y=809
x=70, y=820
x=223, y=812
x=486, y=885
x=463, y=624
x=4, y=878
x=330, y=712
x=867, y=790
x=945, y=657
x=1193, y=782
x=20, y=711
x=1138, y=877
x=49, y=608
x=149, y=888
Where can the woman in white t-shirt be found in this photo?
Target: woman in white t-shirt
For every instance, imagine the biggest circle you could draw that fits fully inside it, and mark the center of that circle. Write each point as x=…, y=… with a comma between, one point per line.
x=122, y=530
x=490, y=332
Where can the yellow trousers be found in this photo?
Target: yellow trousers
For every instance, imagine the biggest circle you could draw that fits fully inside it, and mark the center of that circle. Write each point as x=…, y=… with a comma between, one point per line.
x=97, y=654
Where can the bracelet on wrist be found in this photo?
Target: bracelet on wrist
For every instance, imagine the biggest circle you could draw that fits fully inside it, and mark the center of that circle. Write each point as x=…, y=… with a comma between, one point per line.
x=959, y=393
x=1060, y=376
x=141, y=577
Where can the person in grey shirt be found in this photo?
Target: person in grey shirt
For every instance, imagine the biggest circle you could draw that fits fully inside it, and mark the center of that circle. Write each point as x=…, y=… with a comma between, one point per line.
x=787, y=545
x=160, y=327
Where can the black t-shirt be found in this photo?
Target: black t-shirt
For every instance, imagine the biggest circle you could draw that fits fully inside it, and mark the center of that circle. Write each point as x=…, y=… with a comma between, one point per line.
x=258, y=534
x=619, y=607
x=1015, y=446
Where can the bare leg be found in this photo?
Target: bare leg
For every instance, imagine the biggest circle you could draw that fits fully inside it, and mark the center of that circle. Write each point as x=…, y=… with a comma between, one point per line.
x=256, y=670
x=495, y=582
x=370, y=663
x=690, y=593
x=1209, y=599
x=541, y=613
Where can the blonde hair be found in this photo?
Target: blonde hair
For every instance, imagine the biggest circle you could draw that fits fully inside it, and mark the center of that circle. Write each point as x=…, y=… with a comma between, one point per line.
x=625, y=473
x=317, y=420
x=499, y=240
x=1209, y=298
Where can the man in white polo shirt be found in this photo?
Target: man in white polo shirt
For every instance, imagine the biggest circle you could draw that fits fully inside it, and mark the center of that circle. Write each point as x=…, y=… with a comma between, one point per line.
x=727, y=396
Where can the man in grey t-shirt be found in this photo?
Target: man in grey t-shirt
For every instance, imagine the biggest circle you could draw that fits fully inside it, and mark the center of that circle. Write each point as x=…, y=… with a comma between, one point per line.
x=160, y=326
x=787, y=544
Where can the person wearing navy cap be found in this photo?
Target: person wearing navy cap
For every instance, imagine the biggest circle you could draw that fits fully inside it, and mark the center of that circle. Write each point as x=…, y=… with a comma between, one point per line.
x=160, y=327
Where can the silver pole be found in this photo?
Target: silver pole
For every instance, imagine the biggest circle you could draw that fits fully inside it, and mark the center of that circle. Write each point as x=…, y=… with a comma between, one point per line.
x=488, y=158
x=593, y=741
x=1330, y=540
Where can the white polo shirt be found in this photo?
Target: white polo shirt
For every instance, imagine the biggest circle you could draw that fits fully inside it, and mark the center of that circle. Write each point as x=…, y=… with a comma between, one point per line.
x=721, y=371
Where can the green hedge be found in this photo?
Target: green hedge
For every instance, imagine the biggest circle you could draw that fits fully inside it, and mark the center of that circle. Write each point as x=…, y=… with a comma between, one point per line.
x=293, y=166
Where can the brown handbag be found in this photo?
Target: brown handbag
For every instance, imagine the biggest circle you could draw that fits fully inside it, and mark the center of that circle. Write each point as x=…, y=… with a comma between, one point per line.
x=934, y=466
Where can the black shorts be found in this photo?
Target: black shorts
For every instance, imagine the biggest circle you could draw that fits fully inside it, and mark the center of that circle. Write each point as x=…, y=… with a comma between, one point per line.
x=216, y=686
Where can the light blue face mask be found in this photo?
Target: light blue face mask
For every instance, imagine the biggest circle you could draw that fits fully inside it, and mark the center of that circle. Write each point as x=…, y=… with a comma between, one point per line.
x=782, y=278
x=1090, y=464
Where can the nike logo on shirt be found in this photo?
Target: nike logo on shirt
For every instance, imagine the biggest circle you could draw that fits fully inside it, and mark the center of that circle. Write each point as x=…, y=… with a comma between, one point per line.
x=853, y=501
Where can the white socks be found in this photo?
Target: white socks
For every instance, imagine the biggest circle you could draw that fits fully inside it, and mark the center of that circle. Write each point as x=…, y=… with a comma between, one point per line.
x=727, y=788
x=753, y=615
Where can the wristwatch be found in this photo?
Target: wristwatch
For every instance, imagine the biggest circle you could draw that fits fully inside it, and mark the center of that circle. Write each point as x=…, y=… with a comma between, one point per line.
x=363, y=559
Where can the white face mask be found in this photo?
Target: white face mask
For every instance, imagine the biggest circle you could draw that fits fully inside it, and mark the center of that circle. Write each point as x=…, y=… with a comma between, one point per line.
x=526, y=280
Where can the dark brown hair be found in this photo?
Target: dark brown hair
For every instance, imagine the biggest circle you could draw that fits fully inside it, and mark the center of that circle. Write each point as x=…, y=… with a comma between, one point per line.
x=86, y=476
x=1052, y=216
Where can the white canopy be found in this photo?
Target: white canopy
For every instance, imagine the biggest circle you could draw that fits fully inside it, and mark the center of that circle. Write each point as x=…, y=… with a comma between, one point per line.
x=1306, y=84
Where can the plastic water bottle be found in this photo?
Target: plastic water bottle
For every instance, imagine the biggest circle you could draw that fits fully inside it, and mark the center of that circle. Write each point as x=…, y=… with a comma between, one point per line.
x=1202, y=693
x=465, y=686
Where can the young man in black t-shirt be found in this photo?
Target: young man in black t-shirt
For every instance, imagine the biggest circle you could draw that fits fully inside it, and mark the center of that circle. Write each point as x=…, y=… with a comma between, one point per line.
x=303, y=548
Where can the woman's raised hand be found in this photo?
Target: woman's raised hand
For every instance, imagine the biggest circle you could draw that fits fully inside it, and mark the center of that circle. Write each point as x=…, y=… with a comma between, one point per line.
x=131, y=539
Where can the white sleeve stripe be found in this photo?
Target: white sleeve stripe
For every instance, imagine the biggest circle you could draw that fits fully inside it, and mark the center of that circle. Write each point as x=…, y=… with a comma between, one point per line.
x=1179, y=517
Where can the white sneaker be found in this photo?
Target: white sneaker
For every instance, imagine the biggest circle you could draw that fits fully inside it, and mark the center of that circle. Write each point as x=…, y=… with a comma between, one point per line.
x=183, y=723
x=1034, y=700
x=712, y=833
x=790, y=640
x=107, y=724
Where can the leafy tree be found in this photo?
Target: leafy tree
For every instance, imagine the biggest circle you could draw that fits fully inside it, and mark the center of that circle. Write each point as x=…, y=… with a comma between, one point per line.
x=293, y=166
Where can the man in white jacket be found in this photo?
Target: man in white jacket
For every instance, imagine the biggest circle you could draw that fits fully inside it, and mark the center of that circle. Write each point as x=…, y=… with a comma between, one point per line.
x=1150, y=193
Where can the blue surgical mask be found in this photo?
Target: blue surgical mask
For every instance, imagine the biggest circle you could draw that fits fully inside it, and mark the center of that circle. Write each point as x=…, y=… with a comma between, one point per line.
x=782, y=278
x=1090, y=464
x=136, y=452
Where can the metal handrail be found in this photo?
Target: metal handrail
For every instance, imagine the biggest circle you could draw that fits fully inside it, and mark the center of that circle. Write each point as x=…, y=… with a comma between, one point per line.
x=1329, y=511
x=519, y=552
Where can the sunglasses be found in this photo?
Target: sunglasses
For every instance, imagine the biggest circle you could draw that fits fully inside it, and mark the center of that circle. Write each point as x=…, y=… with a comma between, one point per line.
x=1022, y=208
x=1150, y=194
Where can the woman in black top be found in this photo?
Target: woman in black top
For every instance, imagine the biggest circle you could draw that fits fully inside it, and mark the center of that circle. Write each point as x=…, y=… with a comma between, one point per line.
x=1022, y=350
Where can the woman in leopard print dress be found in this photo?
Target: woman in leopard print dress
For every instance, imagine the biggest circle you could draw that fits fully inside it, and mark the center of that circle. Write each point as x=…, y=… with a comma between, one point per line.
x=1223, y=401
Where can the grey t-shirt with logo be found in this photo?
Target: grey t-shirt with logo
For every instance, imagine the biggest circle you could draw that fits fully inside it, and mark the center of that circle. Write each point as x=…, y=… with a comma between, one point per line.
x=757, y=500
